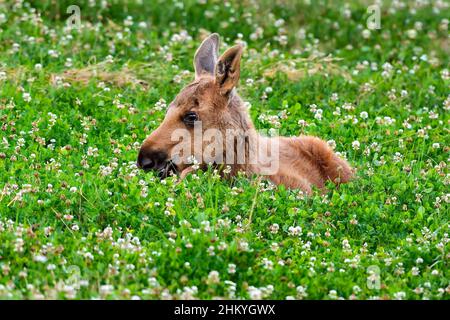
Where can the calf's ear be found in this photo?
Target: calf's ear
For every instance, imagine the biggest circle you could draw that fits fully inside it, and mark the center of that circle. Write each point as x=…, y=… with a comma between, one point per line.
x=228, y=69
x=206, y=56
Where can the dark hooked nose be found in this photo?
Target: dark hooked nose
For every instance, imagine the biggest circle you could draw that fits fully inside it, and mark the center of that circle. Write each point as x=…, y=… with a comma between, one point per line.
x=151, y=159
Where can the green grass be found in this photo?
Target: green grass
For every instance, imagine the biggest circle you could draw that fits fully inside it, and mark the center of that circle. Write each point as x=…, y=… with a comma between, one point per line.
x=107, y=230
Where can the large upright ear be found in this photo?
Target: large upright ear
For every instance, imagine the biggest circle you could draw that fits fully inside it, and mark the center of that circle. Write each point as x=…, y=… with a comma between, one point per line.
x=228, y=69
x=206, y=56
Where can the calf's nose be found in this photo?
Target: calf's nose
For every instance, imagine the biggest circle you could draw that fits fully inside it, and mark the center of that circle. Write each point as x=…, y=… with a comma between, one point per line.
x=151, y=159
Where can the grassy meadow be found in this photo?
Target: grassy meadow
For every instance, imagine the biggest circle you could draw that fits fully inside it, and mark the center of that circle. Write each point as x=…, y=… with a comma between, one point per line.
x=79, y=220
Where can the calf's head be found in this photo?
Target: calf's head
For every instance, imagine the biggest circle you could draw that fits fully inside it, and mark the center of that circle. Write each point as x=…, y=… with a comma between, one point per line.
x=203, y=104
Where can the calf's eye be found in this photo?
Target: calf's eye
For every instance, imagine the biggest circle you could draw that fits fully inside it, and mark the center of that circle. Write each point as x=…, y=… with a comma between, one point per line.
x=190, y=117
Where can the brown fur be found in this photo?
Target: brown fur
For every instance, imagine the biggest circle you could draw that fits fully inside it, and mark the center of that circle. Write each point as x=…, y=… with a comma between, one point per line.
x=305, y=161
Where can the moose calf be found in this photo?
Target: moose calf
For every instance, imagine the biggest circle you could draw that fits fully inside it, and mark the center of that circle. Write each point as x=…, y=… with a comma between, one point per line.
x=210, y=106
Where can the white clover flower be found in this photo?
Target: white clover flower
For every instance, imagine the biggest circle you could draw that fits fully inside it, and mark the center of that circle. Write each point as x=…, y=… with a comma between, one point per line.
x=243, y=246
x=301, y=292
x=399, y=295
x=318, y=114
x=274, y=228
x=231, y=268
x=348, y=106
x=332, y=144
x=21, y=142
x=356, y=289
x=181, y=37
x=40, y=258
x=294, y=231
x=53, y=53
x=255, y=293
x=366, y=34
x=51, y=267
x=15, y=47
x=26, y=97
x=302, y=123
x=161, y=104
x=332, y=294
x=87, y=255
x=68, y=63
x=411, y=33
x=213, y=277
x=278, y=23
x=345, y=244
x=445, y=74
x=106, y=289
x=128, y=21
x=356, y=145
